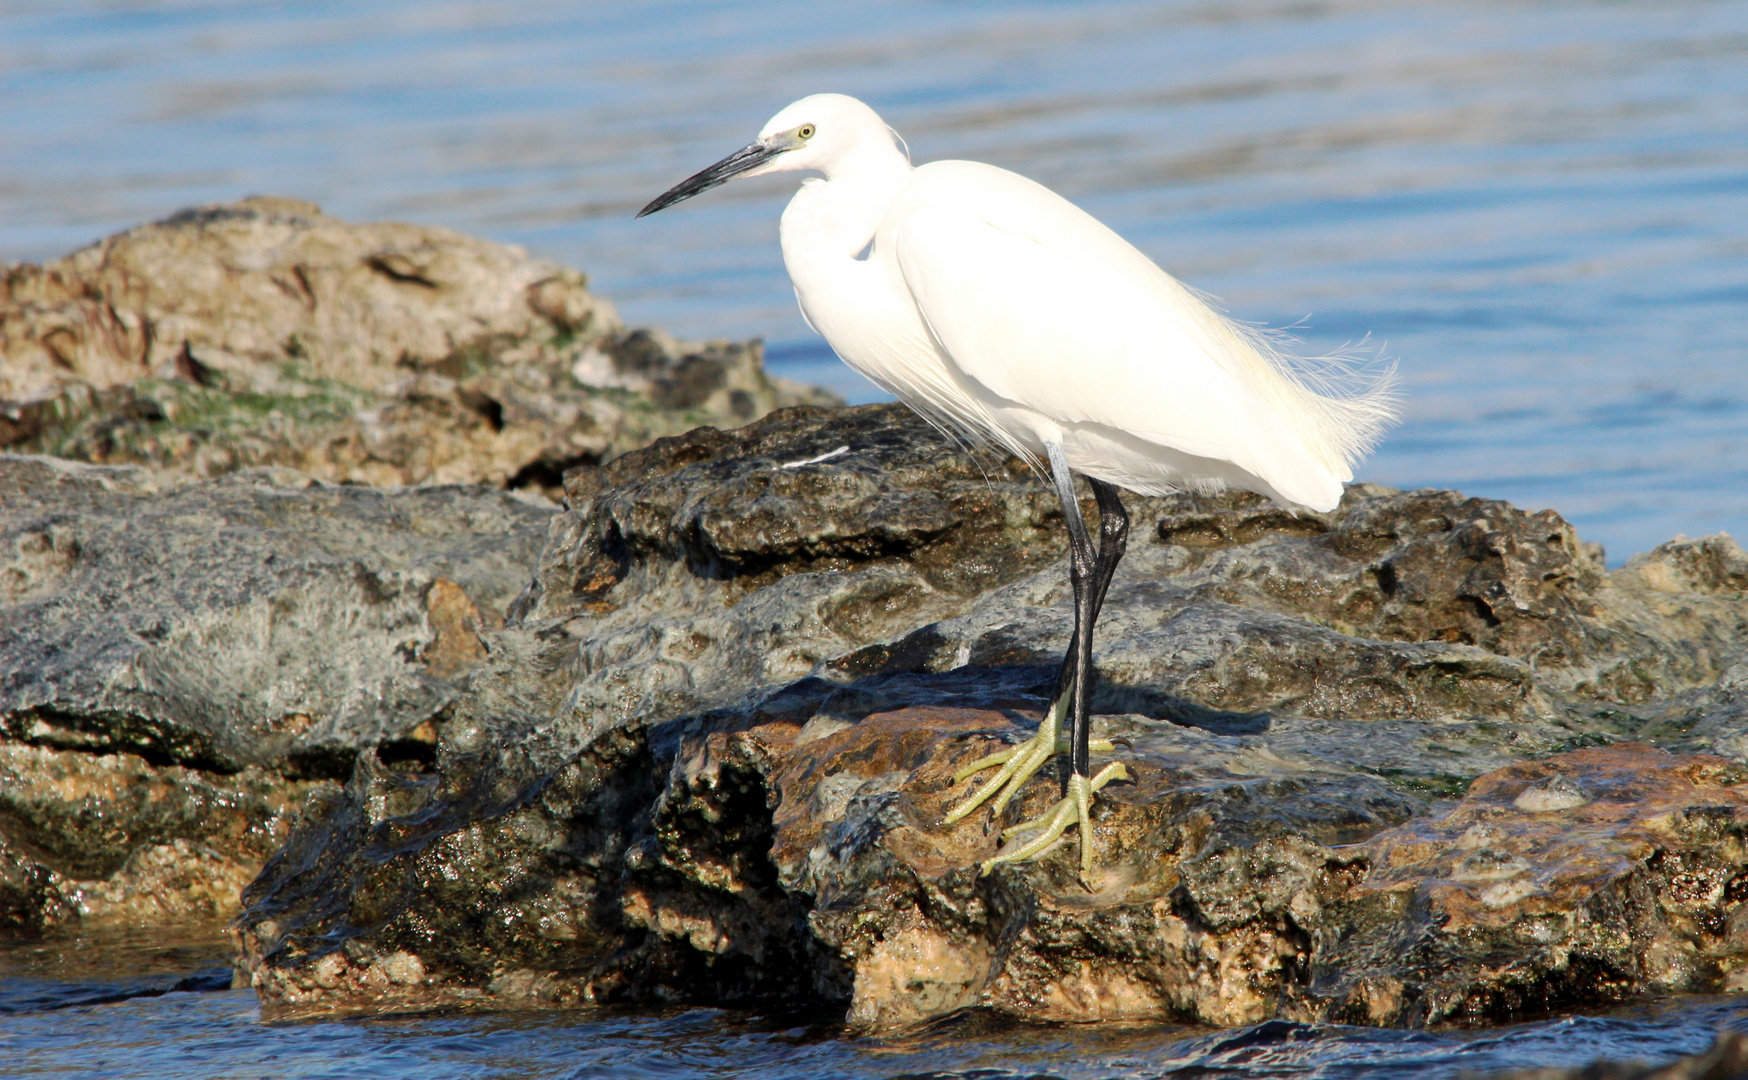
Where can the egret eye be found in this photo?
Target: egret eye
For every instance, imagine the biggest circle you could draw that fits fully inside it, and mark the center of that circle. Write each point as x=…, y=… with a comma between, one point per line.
x=805, y=131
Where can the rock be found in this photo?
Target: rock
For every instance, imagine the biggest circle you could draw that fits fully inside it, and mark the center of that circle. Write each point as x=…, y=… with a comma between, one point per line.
x=266, y=333
x=182, y=663
x=1637, y=891
x=117, y=839
x=1421, y=758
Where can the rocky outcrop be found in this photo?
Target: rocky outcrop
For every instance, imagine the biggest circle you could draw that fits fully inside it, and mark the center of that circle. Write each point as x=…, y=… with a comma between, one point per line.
x=266, y=333
x=1420, y=758
x=181, y=664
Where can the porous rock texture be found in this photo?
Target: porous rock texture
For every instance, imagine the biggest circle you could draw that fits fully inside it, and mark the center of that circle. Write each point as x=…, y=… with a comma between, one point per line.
x=1422, y=758
x=181, y=664
x=266, y=333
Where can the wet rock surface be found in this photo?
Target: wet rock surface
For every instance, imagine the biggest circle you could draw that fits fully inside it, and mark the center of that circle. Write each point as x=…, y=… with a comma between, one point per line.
x=181, y=664
x=265, y=333
x=1421, y=759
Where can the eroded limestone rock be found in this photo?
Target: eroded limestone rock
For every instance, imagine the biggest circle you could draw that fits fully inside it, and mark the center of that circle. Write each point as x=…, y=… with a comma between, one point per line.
x=708, y=756
x=1234, y=885
x=1632, y=885
x=265, y=333
x=116, y=839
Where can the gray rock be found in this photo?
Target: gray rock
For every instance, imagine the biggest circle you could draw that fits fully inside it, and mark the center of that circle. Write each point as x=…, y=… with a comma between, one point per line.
x=708, y=758
x=180, y=662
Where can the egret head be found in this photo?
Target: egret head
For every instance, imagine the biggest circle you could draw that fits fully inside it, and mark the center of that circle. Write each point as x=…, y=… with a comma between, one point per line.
x=819, y=132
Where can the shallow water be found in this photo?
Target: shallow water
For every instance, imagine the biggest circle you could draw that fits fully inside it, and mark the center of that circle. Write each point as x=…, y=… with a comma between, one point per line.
x=1539, y=207
x=110, y=1008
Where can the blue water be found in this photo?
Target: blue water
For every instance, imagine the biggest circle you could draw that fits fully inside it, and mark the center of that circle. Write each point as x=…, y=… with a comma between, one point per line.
x=1539, y=207
x=67, y=1013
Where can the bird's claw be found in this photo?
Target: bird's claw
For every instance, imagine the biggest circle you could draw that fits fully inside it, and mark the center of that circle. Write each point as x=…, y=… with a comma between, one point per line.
x=1075, y=809
x=1018, y=764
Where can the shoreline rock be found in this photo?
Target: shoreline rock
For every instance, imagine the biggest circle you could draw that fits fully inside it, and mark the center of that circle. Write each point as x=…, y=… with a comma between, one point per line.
x=690, y=736
x=708, y=755
x=182, y=664
x=265, y=333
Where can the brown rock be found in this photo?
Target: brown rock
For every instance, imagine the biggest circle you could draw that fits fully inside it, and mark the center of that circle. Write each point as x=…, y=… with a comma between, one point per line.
x=248, y=287
x=115, y=840
x=1228, y=893
x=1629, y=880
x=267, y=333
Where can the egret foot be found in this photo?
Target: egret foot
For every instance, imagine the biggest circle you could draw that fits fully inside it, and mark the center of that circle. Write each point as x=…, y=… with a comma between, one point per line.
x=1075, y=809
x=1018, y=763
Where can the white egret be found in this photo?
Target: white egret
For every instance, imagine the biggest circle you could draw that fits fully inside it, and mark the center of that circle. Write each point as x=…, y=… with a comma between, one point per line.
x=994, y=306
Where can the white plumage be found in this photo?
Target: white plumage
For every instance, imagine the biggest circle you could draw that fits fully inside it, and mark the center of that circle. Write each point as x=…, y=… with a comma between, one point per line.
x=995, y=304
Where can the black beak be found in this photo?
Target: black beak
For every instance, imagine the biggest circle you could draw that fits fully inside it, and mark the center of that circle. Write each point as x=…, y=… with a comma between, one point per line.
x=747, y=157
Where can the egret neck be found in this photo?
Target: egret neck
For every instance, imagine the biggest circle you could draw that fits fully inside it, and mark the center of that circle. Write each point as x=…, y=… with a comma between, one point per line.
x=826, y=234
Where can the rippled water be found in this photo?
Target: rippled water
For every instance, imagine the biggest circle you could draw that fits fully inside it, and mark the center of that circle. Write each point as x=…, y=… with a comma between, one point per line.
x=1538, y=206
x=109, y=1008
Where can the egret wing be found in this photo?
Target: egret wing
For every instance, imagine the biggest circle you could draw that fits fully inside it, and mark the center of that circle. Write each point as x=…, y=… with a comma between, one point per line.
x=1076, y=328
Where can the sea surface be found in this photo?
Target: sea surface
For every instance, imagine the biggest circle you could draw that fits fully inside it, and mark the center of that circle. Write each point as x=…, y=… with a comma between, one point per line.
x=1537, y=210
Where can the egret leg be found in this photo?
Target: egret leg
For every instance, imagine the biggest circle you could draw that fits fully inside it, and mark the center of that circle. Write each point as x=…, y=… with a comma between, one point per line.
x=1090, y=577
x=1019, y=763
